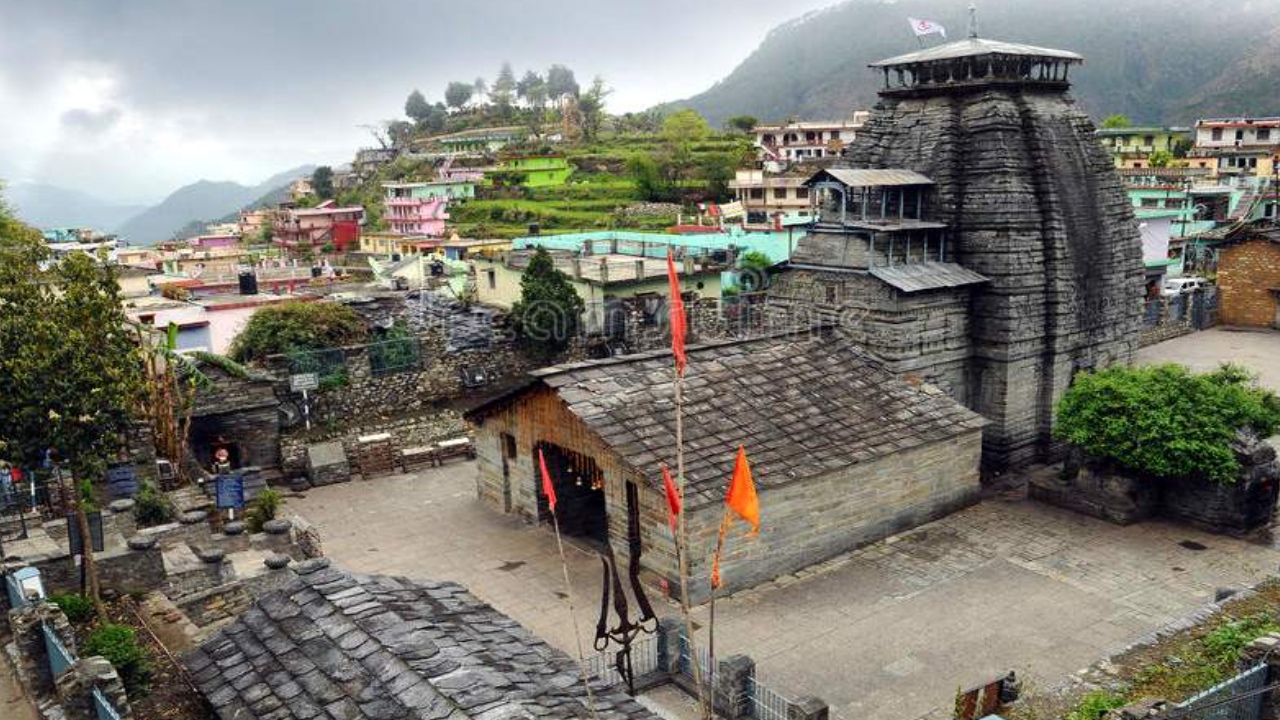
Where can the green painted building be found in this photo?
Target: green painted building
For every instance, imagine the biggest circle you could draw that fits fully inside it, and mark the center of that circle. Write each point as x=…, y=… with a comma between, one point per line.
x=537, y=171
x=1132, y=147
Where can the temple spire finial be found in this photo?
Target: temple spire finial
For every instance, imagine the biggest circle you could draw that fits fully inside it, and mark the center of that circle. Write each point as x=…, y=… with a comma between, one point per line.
x=973, y=21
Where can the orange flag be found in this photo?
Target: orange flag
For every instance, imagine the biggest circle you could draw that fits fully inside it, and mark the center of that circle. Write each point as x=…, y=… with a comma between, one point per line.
x=742, y=493
x=677, y=314
x=673, y=498
x=547, y=488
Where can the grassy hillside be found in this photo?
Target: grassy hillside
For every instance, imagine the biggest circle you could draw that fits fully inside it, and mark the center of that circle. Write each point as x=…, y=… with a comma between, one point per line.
x=1148, y=59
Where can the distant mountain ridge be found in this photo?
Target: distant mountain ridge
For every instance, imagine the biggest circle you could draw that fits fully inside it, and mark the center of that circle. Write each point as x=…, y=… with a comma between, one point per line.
x=201, y=202
x=1143, y=58
x=49, y=206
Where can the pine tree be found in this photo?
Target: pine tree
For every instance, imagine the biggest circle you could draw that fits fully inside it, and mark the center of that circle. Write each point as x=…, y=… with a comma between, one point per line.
x=549, y=311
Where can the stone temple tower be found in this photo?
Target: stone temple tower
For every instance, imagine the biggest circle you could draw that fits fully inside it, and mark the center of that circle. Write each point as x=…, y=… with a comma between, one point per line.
x=976, y=236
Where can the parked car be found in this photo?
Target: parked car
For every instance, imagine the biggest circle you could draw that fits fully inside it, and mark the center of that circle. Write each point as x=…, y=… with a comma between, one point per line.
x=1183, y=286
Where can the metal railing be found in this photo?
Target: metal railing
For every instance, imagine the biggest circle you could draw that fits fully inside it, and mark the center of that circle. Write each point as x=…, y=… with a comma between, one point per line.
x=1234, y=699
x=60, y=659
x=644, y=661
x=103, y=707
x=766, y=703
x=395, y=356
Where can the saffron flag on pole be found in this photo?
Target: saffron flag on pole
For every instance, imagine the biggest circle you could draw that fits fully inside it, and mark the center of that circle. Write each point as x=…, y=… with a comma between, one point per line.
x=926, y=27
x=676, y=304
x=547, y=488
x=742, y=492
x=673, y=498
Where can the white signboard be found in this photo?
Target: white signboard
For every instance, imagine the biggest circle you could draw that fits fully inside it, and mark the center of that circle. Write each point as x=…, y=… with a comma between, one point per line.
x=733, y=209
x=303, y=382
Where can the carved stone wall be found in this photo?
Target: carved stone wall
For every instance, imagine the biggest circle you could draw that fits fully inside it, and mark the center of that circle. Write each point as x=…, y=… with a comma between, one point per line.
x=1034, y=204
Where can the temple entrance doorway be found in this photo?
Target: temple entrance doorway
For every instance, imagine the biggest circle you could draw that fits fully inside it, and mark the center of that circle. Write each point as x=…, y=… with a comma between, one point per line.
x=579, y=486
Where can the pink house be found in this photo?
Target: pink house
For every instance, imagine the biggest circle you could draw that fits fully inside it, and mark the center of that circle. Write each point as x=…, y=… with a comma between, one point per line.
x=422, y=208
x=205, y=242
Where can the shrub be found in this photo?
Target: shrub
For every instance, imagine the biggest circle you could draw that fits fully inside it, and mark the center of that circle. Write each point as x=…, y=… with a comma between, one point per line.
x=151, y=507
x=77, y=608
x=295, y=326
x=1096, y=705
x=1164, y=421
x=263, y=508
x=119, y=645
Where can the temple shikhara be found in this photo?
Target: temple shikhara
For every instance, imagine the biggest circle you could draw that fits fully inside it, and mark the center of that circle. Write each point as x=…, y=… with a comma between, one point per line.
x=976, y=236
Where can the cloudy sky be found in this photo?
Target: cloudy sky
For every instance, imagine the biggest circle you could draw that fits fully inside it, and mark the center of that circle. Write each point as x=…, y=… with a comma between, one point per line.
x=129, y=99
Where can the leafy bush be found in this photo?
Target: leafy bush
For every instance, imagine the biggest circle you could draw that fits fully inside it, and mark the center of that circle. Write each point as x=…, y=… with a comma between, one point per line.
x=1165, y=421
x=295, y=326
x=265, y=506
x=77, y=608
x=150, y=506
x=1096, y=705
x=119, y=645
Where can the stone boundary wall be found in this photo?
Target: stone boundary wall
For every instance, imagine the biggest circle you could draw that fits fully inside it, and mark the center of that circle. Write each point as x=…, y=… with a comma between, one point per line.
x=1167, y=318
x=427, y=425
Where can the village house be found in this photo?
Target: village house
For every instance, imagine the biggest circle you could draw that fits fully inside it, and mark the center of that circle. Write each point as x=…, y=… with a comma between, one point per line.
x=771, y=198
x=610, y=283
x=1239, y=147
x=800, y=140
x=324, y=224
x=421, y=208
x=1132, y=147
x=253, y=221
x=368, y=160
x=530, y=171
x=1249, y=276
x=842, y=452
x=208, y=242
x=996, y=268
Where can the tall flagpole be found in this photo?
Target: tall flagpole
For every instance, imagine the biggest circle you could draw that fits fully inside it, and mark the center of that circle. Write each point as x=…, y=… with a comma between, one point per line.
x=683, y=542
x=715, y=583
x=568, y=591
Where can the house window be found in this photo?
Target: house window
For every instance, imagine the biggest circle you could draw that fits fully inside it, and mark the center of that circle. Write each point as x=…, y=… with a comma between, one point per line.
x=757, y=193
x=1239, y=135
x=493, y=279
x=1150, y=202
x=831, y=294
x=780, y=193
x=1149, y=140
x=1217, y=133
x=1264, y=134
x=802, y=193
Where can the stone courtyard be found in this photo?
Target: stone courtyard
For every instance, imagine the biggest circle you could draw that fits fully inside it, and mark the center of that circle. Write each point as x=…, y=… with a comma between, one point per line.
x=887, y=632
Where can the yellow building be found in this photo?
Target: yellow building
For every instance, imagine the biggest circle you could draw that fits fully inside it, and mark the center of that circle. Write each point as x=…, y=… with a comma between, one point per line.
x=1132, y=147
x=600, y=280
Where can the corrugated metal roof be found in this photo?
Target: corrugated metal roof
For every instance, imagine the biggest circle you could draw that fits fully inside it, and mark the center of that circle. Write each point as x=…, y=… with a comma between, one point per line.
x=914, y=277
x=866, y=177
x=973, y=47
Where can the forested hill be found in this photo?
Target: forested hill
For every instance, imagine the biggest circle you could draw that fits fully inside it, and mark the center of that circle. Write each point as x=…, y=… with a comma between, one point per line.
x=1157, y=61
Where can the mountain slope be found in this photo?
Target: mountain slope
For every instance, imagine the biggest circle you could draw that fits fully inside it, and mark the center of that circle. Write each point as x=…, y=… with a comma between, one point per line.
x=49, y=206
x=200, y=201
x=1147, y=59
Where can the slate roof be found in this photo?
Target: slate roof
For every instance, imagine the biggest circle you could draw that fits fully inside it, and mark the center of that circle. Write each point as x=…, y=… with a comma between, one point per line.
x=974, y=47
x=802, y=406
x=333, y=645
x=931, y=275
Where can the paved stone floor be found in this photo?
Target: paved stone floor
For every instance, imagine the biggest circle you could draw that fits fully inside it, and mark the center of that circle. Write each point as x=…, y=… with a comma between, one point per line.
x=888, y=632
x=13, y=704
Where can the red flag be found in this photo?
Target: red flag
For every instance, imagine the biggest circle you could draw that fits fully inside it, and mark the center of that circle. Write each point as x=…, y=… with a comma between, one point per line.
x=742, y=497
x=673, y=498
x=677, y=314
x=547, y=488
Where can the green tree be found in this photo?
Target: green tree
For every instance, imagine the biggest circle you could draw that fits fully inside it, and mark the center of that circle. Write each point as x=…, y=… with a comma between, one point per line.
x=322, y=182
x=297, y=325
x=1116, y=121
x=1160, y=158
x=504, y=89
x=681, y=131
x=549, y=312
x=561, y=82
x=532, y=90
x=1164, y=421
x=649, y=177
x=458, y=94
x=416, y=107
x=480, y=91
x=399, y=132
x=741, y=123
x=591, y=105
x=71, y=371
x=717, y=170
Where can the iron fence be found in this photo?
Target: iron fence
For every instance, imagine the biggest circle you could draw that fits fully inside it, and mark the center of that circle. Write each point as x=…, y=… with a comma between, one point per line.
x=395, y=356
x=17, y=598
x=684, y=661
x=766, y=703
x=645, y=660
x=330, y=366
x=1236, y=699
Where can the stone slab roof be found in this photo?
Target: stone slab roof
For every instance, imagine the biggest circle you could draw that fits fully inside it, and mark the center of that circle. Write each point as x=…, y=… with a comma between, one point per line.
x=931, y=275
x=333, y=645
x=802, y=406
x=973, y=47
x=870, y=177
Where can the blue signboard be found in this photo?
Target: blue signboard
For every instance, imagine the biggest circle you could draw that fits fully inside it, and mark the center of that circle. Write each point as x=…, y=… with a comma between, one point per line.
x=122, y=481
x=230, y=491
